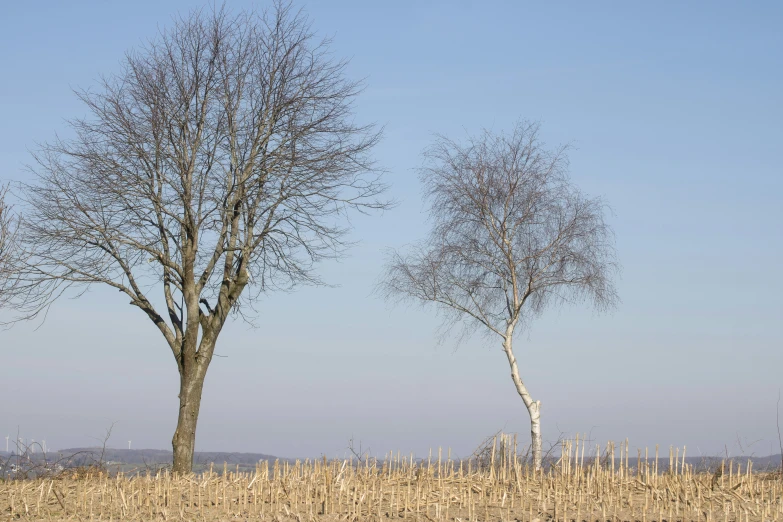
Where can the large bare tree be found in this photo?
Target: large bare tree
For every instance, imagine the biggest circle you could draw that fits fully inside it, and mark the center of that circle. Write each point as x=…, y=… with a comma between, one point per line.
x=510, y=235
x=217, y=165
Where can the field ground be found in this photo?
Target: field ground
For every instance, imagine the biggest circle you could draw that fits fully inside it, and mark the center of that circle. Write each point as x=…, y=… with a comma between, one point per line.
x=496, y=486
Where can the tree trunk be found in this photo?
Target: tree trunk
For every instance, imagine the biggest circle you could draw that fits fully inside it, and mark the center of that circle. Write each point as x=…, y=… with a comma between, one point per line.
x=533, y=407
x=534, y=410
x=184, y=440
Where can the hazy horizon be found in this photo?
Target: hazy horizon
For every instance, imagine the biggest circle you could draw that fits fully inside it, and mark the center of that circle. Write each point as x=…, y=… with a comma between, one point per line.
x=675, y=113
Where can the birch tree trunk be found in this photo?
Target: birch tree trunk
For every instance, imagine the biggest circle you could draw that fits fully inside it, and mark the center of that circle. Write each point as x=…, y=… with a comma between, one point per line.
x=533, y=407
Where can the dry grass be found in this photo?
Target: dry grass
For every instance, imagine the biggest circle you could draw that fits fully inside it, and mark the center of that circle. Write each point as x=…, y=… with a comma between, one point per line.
x=499, y=486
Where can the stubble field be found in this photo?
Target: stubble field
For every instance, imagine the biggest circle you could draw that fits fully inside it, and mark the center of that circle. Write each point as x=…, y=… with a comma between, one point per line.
x=498, y=485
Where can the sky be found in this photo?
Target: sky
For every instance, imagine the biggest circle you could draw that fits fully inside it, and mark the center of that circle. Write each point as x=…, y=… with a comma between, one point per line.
x=674, y=112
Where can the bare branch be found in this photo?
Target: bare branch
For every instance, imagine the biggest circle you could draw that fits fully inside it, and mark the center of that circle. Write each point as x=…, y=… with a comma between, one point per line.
x=8, y=246
x=511, y=235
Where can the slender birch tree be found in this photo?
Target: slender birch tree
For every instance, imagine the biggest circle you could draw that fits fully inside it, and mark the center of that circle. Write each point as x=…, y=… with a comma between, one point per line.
x=510, y=235
x=217, y=165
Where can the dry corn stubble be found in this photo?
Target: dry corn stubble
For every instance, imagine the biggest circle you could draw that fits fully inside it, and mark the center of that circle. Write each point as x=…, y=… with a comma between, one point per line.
x=504, y=488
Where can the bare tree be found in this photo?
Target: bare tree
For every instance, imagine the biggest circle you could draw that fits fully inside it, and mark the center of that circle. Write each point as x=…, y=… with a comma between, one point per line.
x=217, y=165
x=510, y=235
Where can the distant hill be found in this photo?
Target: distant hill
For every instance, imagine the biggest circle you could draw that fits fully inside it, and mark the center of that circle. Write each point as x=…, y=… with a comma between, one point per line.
x=150, y=458
x=162, y=457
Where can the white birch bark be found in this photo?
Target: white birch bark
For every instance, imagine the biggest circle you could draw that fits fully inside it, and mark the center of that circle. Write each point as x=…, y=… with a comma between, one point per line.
x=533, y=407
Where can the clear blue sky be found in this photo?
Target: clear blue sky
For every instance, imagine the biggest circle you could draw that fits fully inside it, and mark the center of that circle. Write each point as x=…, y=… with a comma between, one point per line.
x=675, y=110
